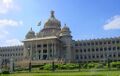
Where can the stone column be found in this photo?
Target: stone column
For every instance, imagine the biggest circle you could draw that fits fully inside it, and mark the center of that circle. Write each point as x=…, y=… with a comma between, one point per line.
x=47, y=51
x=52, y=51
x=55, y=53
x=36, y=52
x=41, y=50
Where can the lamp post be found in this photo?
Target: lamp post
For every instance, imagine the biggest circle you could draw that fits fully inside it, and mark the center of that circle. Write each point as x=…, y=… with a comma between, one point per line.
x=30, y=59
x=53, y=65
x=79, y=65
x=108, y=61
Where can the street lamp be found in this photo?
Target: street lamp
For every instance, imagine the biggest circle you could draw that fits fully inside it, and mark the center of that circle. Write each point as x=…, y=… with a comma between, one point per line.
x=30, y=59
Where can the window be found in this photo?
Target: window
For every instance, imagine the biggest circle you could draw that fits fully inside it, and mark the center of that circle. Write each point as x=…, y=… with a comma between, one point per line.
x=114, y=48
x=88, y=43
x=21, y=54
x=38, y=46
x=85, y=57
x=100, y=43
x=96, y=43
x=39, y=57
x=84, y=50
x=109, y=48
x=76, y=44
x=118, y=48
x=44, y=57
x=117, y=41
x=89, y=57
x=84, y=44
x=76, y=50
x=110, y=55
x=93, y=56
x=50, y=50
x=108, y=42
x=105, y=48
x=80, y=50
x=105, y=42
x=118, y=54
x=101, y=56
x=97, y=56
x=44, y=51
x=80, y=44
x=76, y=57
x=114, y=55
x=81, y=57
x=45, y=45
x=93, y=50
x=113, y=42
x=96, y=49
x=101, y=49
x=50, y=55
x=88, y=50
x=92, y=43
x=39, y=51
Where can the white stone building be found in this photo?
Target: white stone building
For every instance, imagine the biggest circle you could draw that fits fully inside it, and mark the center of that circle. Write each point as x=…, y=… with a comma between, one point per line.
x=56, y=43
x=11, y=52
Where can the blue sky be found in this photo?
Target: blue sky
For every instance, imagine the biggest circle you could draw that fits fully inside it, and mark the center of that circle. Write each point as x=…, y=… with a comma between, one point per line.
x=87, y=19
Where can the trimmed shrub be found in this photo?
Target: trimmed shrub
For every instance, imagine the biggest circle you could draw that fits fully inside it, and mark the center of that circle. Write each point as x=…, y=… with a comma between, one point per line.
x=5, y=72
x=47, y=67
x=115, y=65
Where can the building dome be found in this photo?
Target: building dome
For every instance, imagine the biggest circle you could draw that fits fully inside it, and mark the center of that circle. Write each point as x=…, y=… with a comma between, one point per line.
x=51, y=27
x=52, y=22
x=30, y=34
x=65, y=31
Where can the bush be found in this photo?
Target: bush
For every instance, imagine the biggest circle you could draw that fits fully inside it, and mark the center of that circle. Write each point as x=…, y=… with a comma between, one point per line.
x=5, y=72
x=115, y=65
x=91, y=65
x=71, y=66
x=47, y=67
x=99, y=65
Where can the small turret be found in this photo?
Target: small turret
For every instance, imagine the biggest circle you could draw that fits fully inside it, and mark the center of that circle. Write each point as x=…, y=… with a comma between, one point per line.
x=65, y=31
x=66, y=38
x=30, y=34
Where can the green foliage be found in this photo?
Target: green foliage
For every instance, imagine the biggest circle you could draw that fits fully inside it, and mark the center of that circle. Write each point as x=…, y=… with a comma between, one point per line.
x=99, y=65
x=5, y=72
x=47, y=67
x=91, y=65
x=35, y=66
x=115, y=65
x=71, y=66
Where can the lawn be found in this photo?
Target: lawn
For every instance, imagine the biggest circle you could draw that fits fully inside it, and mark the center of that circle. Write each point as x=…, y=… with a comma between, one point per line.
x=90, y=73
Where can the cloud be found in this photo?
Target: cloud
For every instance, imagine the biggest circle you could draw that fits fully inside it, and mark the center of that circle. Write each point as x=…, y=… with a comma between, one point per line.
x=112, y=23
x=11, y=42
x=3, y=34
x=4, y=23
x=7, y=5
x=9, y=22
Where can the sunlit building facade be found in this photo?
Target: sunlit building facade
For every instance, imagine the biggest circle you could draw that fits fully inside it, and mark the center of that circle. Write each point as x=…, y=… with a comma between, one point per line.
x=54, y=42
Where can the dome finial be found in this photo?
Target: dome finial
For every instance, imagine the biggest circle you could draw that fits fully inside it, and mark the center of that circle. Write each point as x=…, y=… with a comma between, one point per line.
x=31, y=28
x=52, y=13
x=65, y=25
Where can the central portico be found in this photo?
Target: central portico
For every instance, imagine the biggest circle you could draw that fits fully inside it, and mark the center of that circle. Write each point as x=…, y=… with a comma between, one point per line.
x=46, y=48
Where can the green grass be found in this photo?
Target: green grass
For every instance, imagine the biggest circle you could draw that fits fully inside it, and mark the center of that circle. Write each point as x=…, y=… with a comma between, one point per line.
x=89, y=73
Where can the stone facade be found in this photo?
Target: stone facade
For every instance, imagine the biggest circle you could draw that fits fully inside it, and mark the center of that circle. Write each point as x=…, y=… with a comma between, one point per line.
x=51, y=43
x=56, y=43
x=13, y=52
x=97, y=50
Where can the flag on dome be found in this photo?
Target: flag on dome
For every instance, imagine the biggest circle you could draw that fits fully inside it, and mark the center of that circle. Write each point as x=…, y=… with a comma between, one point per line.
x=39, y=23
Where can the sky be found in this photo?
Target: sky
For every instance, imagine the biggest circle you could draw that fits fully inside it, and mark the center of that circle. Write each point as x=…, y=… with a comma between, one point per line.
x=87, y=19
